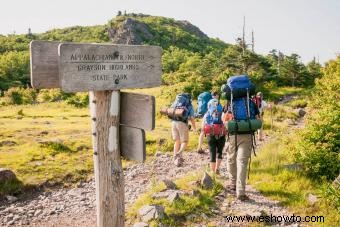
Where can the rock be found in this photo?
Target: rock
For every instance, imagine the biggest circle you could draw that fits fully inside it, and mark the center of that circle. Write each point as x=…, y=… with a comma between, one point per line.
x=173, y=197
x=150, y=212
x=312, y=199
x=10, y=223
x=130, y=31
x=140, y=224
x=301, y=112
x=6, y=175
x=294, y=166
x=336, y=183
x=7, y=143
x=207, y=181
x=37, y=213
x=194, y=192
x=169, y=184
x=11, y=199
x=158, y=154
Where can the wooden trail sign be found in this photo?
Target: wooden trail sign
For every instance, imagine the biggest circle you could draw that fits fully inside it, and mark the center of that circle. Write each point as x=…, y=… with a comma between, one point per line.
x=94, y=67
x=44, y=63
x=103, y=70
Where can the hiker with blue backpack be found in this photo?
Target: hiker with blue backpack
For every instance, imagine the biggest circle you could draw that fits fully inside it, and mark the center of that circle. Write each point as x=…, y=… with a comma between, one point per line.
x=202, y=107
x=242, y=123
x=180, y=112
x=215, y=132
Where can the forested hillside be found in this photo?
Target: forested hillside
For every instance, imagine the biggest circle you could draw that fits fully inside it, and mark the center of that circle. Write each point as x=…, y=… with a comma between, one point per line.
x=191, y=60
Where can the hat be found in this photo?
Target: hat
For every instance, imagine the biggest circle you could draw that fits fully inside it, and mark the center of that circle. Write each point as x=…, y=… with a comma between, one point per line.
x=259, y=94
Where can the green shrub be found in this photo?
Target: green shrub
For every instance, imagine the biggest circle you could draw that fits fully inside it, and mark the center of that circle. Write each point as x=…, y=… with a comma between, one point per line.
x=319, y=145
x=52, y=95
x=78, y=100
x=18, y=96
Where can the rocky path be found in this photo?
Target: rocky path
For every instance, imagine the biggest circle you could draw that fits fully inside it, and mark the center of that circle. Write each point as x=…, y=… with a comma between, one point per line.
x=76, y=206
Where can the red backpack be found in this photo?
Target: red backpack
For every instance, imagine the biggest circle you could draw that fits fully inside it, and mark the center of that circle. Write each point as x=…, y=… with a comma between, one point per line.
x=258, y=101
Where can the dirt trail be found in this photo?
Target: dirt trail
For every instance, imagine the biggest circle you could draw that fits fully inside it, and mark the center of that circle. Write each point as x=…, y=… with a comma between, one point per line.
x=76, y=206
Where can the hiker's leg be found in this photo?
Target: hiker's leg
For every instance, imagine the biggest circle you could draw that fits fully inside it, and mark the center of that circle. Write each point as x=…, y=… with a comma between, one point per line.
x=200, y=140
x=244, y=152
x=182, y=148
x=231, y=161
x=201, y=137
x=177, y=145
x=175, y=136
x=212, y=149
x=220, y=146
x=184, y=136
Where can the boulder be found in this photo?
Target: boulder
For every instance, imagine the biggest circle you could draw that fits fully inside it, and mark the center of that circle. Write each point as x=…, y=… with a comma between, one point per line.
x=11, y=199
x=169, y=184
x=336, y=183
x=6, y=175
x=312, y=199
x=301, y=112
x=149, y=212
x=207, y=182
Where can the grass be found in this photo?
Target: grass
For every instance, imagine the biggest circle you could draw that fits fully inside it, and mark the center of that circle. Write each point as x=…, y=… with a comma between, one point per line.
x=184, y=211
x=291, y=187
x=51, y=144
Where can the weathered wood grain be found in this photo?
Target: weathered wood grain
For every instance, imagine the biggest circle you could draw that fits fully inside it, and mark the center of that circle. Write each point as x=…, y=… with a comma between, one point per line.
x=132, y=143
x=137, y=110
x=94, y=67
x=44, y=64
x=109, y=177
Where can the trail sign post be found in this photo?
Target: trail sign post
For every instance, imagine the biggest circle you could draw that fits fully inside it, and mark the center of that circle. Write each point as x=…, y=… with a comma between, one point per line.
x=103, y=70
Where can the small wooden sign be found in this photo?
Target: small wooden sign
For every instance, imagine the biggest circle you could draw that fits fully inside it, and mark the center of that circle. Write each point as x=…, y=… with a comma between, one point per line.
x=132, y=143
x=137, y=110
x=98, y=67
x=44, y=64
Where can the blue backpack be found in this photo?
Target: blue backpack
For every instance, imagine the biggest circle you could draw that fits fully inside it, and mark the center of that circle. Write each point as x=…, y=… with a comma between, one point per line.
x=182, y=101
x=202, y=106
x=237, y=87
x=214, y=113
x=240, y=109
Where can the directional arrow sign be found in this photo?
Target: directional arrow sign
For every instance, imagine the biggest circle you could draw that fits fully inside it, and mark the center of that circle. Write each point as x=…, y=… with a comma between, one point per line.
x=97, y=67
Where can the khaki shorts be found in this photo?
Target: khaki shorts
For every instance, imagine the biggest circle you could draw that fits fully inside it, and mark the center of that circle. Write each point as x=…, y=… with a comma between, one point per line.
x=180, y=131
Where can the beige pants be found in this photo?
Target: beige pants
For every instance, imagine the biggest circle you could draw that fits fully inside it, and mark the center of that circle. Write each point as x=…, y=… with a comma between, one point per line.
x=237, y=163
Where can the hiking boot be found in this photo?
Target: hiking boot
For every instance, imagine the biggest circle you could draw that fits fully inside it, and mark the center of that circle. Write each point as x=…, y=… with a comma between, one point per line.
x=200, y=151
x=243, y=197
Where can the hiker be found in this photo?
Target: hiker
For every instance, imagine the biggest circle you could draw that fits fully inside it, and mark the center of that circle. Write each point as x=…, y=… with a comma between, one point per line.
x=179, y=126
x=261, y=104
x=202, y=109
x=214, y=130
x=242, y=120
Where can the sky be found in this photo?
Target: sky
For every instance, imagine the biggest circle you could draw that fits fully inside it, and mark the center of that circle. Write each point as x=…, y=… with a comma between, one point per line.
x=310, y=28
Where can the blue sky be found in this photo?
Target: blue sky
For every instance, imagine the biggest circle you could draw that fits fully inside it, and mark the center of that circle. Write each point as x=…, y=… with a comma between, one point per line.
x=306, y=27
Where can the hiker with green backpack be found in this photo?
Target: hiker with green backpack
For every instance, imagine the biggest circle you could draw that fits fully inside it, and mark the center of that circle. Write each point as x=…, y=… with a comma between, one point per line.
x=180, y=112
x=242, y=125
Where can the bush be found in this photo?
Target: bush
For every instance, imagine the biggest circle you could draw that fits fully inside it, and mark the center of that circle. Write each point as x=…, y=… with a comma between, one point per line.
x=319, y=144
x=18, y=96
x=78, y=100
x=52, y=95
